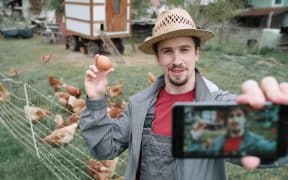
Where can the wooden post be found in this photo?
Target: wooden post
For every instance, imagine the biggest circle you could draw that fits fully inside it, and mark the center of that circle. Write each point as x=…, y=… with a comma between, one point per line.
x=269, y=20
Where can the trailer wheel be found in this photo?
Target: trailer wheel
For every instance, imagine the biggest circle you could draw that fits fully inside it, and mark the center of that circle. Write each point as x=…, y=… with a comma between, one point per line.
x=93, y=48
x=119, y=44
x=74, y=43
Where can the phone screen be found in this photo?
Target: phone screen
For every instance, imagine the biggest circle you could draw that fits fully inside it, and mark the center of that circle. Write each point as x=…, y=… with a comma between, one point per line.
x=229, y=131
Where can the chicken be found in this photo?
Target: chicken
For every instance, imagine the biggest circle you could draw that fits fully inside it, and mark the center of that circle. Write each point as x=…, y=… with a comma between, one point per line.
x=116, y=90
x=36, y=113
x=4, y=94
x=115, y=111
x=46, y=58
x=76, y=105
x=12, y=73
x=151, y=78
x=56, y=84
x=61, y=136
x=70, y=120
x=58, y=120
x=72, y=90
x=62, y=97
x=102, y=170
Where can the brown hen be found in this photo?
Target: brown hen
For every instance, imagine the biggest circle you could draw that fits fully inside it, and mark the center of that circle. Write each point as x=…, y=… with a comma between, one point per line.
x=4, y=94
x=58, y=120
x=70, y=120
x=76, y=105
x=62, y=97
x=56, y=84
x=61, y=136
x=102, y=170
x=151, y=78
x=72, y=90
x=12, y=73
x=46, y=58
x=116, y=90
x=115, y=111
x=36, y=113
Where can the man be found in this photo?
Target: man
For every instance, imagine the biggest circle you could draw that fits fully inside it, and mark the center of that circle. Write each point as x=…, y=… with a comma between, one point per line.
x=145, y=127
x=240, y=140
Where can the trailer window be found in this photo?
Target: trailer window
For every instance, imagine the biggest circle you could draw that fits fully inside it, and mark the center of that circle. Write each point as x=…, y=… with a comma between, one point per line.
x=116, y=8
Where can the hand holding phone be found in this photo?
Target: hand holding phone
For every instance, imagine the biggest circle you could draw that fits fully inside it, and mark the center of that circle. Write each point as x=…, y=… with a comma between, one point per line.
x=206, y=130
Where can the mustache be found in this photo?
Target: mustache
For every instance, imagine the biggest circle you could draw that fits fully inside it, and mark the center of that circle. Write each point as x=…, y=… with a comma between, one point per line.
x=174, y=66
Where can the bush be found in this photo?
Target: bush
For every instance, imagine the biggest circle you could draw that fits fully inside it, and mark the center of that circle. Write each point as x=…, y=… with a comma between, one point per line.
x=234, y=49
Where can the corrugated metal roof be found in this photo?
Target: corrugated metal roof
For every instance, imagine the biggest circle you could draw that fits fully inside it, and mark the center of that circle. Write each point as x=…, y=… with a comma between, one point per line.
x=262, y=11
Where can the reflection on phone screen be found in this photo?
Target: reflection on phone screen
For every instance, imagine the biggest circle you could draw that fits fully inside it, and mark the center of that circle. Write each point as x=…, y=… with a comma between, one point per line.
x=237, y=131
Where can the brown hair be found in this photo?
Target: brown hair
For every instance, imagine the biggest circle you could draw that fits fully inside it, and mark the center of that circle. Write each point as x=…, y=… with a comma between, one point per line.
x=196, y=41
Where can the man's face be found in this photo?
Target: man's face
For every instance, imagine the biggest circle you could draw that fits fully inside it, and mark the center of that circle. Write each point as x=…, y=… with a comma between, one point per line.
x=236, y=122
x=177, y=58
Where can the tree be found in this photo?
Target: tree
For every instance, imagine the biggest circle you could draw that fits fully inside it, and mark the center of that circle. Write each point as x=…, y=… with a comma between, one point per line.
x=215, y=12
x=139, y=8
x=58, y=6
x=222, y=11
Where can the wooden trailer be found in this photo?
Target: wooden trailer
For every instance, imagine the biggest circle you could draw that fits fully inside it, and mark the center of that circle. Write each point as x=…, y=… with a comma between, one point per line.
x=95, y=25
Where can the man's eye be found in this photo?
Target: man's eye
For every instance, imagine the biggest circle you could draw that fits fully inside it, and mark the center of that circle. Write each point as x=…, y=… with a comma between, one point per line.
x=166, y=51
x=185, y=50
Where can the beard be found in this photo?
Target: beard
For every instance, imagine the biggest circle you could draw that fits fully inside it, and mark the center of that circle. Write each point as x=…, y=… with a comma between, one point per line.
x=177, y=82
x=236, y=132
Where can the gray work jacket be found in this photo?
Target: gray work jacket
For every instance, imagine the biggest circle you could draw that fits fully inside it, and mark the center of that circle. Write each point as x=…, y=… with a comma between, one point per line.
x=107, y=139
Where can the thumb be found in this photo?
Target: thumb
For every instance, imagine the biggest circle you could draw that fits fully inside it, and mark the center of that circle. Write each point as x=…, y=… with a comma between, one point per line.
x=250, y=162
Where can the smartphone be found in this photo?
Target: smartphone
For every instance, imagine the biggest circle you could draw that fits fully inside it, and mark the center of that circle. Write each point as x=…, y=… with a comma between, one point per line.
x=229, y=130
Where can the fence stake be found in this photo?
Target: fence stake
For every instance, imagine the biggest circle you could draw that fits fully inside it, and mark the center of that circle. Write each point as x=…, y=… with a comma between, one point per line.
x=30, y=121
x=260, y=43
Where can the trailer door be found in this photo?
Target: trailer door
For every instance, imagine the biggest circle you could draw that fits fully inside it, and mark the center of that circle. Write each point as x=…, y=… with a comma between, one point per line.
x=116, y=15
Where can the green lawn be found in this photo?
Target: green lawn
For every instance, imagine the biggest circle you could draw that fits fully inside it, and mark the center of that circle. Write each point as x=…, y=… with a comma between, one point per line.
x=227, y=66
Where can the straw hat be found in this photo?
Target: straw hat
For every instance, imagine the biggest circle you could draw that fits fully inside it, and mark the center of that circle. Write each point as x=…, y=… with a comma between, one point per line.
x=173, y=23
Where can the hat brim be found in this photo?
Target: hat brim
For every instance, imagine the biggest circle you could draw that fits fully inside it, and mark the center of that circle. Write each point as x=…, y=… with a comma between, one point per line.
x=203, y=35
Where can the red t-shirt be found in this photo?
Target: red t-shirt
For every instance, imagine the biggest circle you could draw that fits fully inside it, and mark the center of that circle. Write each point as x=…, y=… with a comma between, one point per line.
x=232, y=144
x=162, y=123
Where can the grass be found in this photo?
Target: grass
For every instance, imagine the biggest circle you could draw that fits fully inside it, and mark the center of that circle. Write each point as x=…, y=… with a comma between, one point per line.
x=17, y=162
x=227, y=65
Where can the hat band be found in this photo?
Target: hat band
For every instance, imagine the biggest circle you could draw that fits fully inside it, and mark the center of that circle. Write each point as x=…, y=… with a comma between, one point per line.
x=168, y=29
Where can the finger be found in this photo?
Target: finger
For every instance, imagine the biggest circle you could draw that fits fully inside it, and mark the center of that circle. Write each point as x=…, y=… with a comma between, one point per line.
x=109, y=71
x=284, y=91
x=242, y=99
x=284, y=88
x=96, y=56
x=91, y=74
x=272, y=90
x=250, y=162
x=253, y=95
x=93, y=68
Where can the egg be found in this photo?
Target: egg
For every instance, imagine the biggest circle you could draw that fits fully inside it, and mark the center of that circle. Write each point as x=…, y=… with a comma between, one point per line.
x=103, y=63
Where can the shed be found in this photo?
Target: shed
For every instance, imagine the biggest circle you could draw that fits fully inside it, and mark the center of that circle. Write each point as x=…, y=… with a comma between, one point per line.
x=94, y=23
x=90, y=18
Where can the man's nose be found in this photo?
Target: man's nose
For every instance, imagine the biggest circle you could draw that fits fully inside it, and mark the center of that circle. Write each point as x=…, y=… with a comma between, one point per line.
x=177, y=59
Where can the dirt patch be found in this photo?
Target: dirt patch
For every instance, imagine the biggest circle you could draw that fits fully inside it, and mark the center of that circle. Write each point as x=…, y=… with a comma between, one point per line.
x=130, y=56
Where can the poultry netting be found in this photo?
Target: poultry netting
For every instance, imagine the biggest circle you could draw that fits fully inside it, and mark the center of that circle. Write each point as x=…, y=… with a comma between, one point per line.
x=61, y=149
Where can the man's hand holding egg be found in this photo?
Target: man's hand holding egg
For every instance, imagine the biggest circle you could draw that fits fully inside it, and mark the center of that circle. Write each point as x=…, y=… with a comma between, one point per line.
x=96, y=79
x=103, y=63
